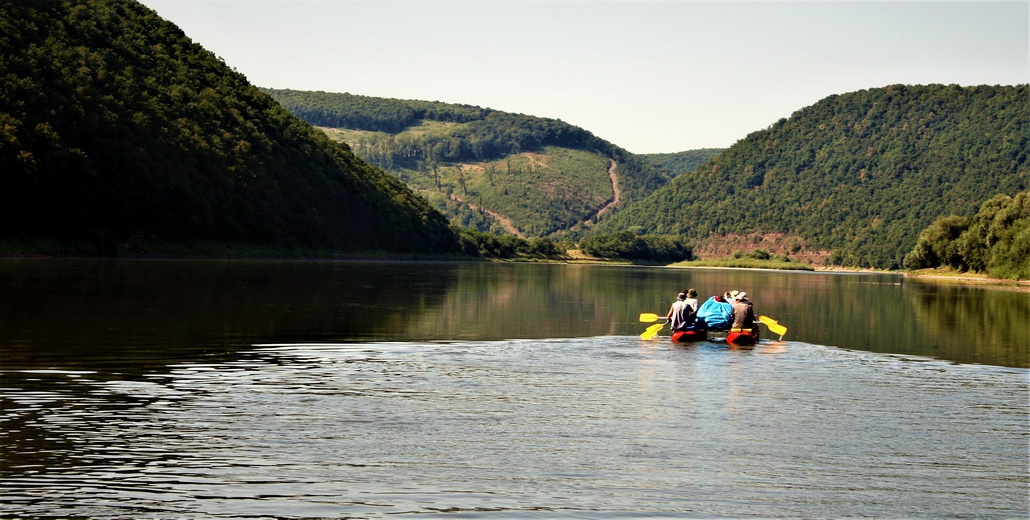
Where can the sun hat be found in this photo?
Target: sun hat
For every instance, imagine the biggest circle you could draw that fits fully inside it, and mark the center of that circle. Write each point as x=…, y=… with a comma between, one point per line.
x=741, y=295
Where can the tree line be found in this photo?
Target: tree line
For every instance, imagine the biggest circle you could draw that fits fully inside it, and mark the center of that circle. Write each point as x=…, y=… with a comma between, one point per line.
x=994, y=241
x=479, y=133
x=391, y=116
x=630, y=246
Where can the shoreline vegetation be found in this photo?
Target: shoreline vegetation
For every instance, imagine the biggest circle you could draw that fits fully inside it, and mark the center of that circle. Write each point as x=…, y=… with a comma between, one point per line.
x=949, y=276
x=746, y=263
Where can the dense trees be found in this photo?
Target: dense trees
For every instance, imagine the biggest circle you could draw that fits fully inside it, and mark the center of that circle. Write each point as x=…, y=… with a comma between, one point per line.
x=487, y=245
x=478, y=133
x=860, y=174
x=629, y=246
x=116, y=128
x=343, y=110
x=682, y=162
x=994, y=241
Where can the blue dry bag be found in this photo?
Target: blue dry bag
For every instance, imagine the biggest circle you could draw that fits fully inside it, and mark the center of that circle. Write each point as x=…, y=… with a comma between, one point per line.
x=716, y=314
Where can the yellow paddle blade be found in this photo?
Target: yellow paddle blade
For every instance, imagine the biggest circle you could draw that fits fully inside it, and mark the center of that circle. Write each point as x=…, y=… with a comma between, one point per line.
x=648, y=317
x=652, y=331
x=773, y=325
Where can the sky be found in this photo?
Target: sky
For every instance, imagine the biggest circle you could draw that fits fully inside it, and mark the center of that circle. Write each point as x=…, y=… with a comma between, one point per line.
x=648, y=76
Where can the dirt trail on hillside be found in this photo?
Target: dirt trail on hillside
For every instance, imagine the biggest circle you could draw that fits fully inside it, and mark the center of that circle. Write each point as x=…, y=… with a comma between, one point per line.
x=610, y=203
x=505, y=222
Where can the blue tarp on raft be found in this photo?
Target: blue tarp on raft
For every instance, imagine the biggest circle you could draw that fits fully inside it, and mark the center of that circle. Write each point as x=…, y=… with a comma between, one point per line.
x=716, y=314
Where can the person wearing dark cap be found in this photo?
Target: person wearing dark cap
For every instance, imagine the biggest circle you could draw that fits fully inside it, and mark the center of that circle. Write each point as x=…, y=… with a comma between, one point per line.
x=683, y=310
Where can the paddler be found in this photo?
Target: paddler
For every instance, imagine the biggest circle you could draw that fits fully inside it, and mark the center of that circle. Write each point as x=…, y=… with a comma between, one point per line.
x=683, y=311
x=743, y=311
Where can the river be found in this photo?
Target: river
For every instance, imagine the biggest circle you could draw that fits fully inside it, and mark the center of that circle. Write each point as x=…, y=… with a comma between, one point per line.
x=320, y=389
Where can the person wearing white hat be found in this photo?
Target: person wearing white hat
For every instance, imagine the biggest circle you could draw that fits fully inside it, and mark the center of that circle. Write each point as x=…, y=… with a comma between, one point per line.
x=743, y=311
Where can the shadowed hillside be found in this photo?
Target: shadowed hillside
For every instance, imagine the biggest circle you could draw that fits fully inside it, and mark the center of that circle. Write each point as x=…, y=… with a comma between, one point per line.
x=118, y=133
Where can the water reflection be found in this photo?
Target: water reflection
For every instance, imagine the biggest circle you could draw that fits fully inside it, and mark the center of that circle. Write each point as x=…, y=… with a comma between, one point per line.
x=592, y=427
x=989, y=325
x=219, y=389
x=91, y=312
x=131, y=315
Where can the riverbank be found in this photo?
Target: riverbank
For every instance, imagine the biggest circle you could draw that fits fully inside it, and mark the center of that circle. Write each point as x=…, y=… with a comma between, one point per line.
x=947, y=276
x=746, y=263
x=944, y=276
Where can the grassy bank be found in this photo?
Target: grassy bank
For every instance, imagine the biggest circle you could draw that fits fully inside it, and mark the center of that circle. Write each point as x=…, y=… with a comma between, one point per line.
x=949, y=276
x=746, y=263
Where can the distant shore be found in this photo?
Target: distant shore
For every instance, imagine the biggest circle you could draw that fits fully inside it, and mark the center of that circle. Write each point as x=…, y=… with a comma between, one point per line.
x=952, y=277
x=942, y=276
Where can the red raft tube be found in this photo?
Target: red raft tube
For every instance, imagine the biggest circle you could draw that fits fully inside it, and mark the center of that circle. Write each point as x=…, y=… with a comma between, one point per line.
x=742, y=337
x=689, y=335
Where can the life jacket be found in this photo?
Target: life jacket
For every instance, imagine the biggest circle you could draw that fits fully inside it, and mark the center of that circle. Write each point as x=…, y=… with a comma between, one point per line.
x=716, y=313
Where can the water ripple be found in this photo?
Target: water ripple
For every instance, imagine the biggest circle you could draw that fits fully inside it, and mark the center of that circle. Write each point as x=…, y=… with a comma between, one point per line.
x=592, y=428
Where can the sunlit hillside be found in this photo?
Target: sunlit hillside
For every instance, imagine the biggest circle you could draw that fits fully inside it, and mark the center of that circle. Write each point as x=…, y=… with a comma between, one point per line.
x=486, y=169
x=853, y=179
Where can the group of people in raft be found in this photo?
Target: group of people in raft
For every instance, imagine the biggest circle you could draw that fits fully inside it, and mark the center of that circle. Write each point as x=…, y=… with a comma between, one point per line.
x=732, y=312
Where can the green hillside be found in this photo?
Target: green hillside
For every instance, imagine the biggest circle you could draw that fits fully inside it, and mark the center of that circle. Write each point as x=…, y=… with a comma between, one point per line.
x=118, y=133
x=858, y=175
x=682, y=162
x=486, y=169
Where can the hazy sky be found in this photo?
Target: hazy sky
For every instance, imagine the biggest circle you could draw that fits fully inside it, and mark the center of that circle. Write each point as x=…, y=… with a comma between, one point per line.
x=649, y=76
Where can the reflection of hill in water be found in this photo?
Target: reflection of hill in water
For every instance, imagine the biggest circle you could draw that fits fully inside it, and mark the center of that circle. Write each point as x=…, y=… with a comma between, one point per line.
x=82, y=313
x=76, y=310
x=983, y=325
x=863, y=312
x=508, y=301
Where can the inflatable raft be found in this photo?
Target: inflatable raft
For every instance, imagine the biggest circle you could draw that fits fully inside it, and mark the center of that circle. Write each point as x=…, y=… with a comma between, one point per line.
x=742, y=337
x=689, y=335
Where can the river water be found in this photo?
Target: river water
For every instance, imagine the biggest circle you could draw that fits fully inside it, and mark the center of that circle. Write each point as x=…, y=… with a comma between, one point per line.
x=229, y=389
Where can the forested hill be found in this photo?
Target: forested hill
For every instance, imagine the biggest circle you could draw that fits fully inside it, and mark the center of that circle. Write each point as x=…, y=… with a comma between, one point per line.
x=859, y=174
x=682, y=162
x=118, y=132
x=478, y=164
